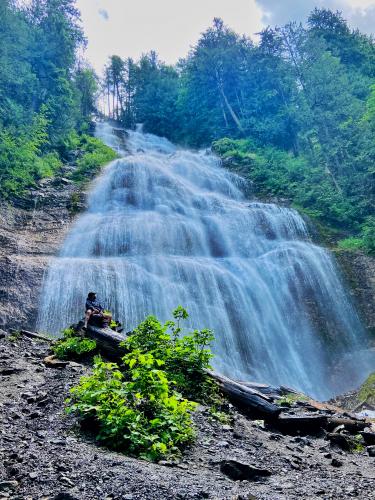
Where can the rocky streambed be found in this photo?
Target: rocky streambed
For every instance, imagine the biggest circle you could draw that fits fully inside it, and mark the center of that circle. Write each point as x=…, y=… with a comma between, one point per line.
x=43, y=455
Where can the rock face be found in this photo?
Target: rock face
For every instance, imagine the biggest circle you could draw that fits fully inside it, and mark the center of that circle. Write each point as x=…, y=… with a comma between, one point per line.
x=359, y=271
x=31, y=231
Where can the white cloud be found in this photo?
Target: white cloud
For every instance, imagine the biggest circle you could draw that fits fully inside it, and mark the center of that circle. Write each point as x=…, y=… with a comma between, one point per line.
x=104, y=14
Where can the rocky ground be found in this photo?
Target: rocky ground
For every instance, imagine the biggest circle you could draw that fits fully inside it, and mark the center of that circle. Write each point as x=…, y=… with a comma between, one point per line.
x=44, y=456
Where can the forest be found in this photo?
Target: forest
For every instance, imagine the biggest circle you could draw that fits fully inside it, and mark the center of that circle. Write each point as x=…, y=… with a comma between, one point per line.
x=47, y=94
x=294, y=111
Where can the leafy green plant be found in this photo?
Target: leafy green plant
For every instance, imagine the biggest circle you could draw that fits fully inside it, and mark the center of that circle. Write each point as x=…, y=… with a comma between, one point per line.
x=93, y=154
x=185, y=357
x=72, y=346
x=141, y=407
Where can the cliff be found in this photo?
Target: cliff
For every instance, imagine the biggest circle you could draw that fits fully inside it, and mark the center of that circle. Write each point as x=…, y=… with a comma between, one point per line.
x=31, y=231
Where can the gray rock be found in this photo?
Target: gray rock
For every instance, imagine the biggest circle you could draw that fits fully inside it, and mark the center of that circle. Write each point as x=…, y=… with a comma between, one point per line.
x=8, y=485
x=336, y=463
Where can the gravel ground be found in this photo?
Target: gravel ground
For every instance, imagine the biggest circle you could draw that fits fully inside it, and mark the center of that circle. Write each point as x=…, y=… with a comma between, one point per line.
x=44, y=456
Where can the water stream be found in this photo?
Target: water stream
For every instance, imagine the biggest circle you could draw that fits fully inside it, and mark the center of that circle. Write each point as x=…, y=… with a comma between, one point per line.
x=168, y=226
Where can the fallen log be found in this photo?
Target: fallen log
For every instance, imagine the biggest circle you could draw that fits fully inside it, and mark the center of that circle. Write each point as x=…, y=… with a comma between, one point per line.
x=351, y=425
x=248, y=399
x=304, y=424
x=107, y=340
x=32, y=335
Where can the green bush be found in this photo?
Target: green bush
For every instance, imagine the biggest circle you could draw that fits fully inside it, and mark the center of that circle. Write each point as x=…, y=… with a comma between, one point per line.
x=72, y=346
x=93, y=154
x=141, y=406
x=185, y=357
x=351, y=244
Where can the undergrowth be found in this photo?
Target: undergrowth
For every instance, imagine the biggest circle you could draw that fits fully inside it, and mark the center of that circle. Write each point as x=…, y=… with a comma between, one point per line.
x=72, y=346
x=143, y=406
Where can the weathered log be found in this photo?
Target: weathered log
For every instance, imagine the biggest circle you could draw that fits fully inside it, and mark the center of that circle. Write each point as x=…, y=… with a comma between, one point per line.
x=32, y=335
x=248, y=399
x=305, y=424
x=107, y=340
x=351, y=425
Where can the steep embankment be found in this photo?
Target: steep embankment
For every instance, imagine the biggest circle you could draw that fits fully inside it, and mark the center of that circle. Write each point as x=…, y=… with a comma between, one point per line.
x=31, y=232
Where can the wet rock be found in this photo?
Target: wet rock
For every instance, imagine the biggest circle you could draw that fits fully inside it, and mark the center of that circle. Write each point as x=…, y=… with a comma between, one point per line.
x=238, y=471
x=371, y=451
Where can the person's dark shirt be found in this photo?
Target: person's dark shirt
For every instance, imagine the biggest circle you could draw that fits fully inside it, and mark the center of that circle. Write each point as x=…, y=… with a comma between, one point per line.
x=93, y=304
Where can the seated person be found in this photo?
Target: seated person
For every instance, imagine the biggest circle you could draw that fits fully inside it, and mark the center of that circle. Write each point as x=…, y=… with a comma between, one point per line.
x=95, y=310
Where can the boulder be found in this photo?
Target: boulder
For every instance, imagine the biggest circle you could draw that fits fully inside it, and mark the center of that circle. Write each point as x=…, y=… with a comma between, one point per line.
x=238, y=471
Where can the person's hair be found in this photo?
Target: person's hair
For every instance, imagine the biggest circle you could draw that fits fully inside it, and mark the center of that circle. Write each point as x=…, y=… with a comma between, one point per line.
x=91, y=295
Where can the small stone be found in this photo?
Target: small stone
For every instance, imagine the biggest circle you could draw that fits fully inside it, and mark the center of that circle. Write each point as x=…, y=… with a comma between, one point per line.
x=327, y=455
x=226, y=427
x=33, y=475
x=53, y=362
x=222, y=444
x=336, y=463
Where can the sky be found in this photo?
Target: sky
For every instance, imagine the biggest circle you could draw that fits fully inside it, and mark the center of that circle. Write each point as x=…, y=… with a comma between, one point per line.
x=129, y=28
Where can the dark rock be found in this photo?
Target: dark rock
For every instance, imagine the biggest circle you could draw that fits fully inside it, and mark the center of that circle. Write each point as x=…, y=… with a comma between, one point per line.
x=368, y=437
x=336, y=463
x=8, y=485
x=341, y=440
x=238, y=471
x=371, y=451
x=65, y=495
x=2, y=334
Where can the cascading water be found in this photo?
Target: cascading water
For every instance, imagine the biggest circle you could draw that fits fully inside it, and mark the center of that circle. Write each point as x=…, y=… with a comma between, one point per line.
x=166, y=227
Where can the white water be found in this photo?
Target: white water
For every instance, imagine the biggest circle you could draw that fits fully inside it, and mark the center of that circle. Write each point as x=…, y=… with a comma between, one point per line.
x=166, y=227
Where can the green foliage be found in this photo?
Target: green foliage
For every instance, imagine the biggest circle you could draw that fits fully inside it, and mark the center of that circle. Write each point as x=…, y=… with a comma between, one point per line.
x=44, y=95
x=185, y=357
x=367, y=390
x=72, y=346
x=140, y=407
x=22, y=159
x=140, y=415
x=350, y=244
x=290, y=398
x=93, y=155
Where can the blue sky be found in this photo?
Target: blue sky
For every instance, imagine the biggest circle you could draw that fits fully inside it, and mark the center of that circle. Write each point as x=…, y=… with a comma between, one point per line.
x=171, y=27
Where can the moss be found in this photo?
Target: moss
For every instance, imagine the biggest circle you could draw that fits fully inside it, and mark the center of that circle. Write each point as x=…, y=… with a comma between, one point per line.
x=367, y=390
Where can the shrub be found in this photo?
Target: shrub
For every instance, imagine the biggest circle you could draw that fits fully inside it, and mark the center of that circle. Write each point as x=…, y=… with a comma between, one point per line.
x=72, y=346
x=93, y=154
x=138, y=407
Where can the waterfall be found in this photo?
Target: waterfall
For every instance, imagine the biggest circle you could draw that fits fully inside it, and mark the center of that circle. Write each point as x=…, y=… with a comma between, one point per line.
x=168, y=226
